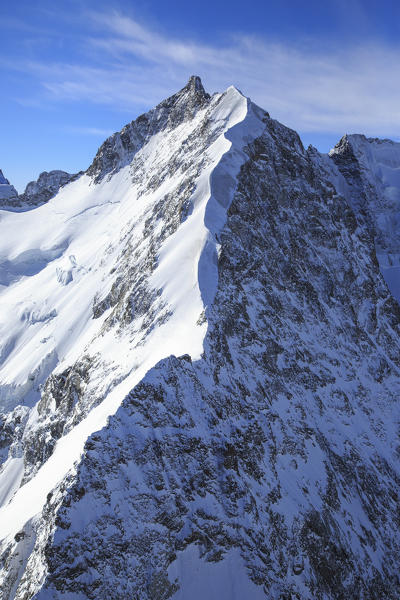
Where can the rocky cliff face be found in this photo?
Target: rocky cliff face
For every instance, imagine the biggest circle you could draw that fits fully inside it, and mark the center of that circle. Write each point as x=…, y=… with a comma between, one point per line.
x=236, y=321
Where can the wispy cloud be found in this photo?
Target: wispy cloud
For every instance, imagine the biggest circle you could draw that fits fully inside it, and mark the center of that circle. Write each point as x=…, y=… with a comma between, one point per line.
x=93, y=131
x=313, y=89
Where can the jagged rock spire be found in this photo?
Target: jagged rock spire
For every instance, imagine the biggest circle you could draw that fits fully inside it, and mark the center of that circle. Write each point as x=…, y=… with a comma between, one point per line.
x=119, y=149
x=3, y=180
x=8, y=193
x=193, y=89
x=195, y=84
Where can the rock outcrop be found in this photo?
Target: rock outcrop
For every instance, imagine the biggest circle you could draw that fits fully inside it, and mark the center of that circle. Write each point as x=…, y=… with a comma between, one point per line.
x=36, y=192
x=8, y=193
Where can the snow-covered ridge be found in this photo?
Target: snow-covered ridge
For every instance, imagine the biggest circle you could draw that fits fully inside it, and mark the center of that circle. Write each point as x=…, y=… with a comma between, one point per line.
x=279, y=440
x=203, y=309
x=65, y=259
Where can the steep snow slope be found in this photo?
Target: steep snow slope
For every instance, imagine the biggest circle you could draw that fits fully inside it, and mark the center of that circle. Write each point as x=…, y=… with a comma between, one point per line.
x=209, y=283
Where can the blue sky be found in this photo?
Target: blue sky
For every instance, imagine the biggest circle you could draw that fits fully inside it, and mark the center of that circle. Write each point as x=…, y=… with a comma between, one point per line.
x=72, y=72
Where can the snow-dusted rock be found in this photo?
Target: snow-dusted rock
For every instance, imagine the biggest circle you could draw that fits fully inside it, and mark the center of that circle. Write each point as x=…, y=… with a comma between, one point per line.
x=8, y=193
x=46, y=187
x=120, y=148
x=36, y=192
x=371, y=168
x=3, y=180
x=214, y=391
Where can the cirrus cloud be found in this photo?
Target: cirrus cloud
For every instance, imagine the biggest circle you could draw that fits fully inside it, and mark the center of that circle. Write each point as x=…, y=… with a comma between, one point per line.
x=312, y=89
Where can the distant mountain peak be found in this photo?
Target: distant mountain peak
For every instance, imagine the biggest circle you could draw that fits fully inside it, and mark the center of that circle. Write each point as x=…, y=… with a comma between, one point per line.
x=8, y=193
x=46, y=186
x=36, y=192
x=3, y=180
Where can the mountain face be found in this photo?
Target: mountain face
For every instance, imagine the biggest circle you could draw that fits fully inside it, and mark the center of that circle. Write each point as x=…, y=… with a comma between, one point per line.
x=371, y=169
x=200, y=367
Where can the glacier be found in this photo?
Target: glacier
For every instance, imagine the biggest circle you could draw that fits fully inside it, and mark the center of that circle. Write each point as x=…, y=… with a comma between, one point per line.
x=199, y=364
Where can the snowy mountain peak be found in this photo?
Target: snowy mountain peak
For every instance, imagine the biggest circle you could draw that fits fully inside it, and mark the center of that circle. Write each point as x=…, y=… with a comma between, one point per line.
x=367, y=147
x=342, y=146
x=120, y=148
x=3, y=180
x=8, y=193
x=199, y=367
x=195, y=85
